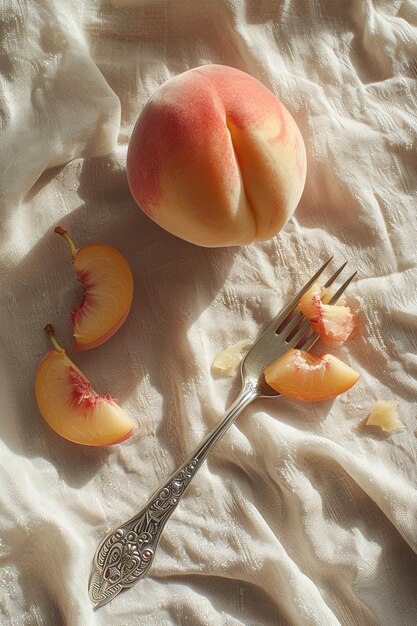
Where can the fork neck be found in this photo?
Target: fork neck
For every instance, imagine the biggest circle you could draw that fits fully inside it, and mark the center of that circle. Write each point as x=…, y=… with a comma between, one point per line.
x=249, y=392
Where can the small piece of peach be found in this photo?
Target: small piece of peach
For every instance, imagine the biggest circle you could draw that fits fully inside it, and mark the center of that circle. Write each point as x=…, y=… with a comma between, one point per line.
x=303, y=376
x=108, y=291
x=334, y=323
x=227, y=361
x=384, y=414
x=216, y=159
x=72, y=408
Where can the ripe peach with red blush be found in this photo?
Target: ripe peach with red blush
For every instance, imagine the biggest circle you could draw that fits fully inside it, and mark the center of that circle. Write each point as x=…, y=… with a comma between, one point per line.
x=216, y=159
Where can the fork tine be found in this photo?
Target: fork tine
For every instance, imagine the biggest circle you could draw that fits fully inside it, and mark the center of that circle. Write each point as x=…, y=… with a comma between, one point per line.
x=278, y=319
x=335, y=275
x=292, y=323
x=341, y=289
x=298, y=317
x=304, y=328
x=309, y=343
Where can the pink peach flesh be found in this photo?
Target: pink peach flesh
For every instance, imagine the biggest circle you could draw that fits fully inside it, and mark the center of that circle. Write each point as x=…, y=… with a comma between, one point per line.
x=333, y=322
x=72, y=408
x=108, y=291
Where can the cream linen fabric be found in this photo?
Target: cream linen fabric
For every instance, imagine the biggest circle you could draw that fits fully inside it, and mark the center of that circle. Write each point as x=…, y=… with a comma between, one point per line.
x=298, y=518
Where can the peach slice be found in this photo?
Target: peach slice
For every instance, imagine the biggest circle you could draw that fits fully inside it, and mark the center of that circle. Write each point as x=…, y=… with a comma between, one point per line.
x=72, y=408
x=333, y=322
x=108, y=292
x=303, y=376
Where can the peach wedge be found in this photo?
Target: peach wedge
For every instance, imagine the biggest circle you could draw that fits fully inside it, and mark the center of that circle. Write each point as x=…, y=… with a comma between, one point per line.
x=108, y=291
x=72, y=408
x=333, y=322
x=303, y=376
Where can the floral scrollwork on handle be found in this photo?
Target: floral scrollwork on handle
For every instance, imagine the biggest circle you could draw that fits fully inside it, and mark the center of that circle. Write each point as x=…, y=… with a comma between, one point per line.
x=125, y=555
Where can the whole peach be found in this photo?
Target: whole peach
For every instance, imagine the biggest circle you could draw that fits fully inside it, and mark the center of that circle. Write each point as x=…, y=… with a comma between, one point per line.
x=216, y=159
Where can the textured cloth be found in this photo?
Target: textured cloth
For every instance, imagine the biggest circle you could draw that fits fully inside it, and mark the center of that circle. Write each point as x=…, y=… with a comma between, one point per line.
x=300, y=516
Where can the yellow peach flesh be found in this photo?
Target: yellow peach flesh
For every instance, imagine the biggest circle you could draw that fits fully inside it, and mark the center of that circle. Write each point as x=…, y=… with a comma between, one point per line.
x=108, y=292
x=227, y=361
x=216, y=159
x=73, y=409
x=384, y=414
x=303, y=376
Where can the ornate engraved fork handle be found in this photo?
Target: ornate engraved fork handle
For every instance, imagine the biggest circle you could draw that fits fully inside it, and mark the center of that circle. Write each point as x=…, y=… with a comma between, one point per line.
x=125, y=554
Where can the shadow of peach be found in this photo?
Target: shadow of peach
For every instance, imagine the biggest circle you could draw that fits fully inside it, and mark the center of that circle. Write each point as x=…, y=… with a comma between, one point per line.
x=173, y=283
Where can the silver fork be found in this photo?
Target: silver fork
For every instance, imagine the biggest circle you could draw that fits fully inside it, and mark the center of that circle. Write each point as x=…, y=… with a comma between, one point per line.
x=126, y=553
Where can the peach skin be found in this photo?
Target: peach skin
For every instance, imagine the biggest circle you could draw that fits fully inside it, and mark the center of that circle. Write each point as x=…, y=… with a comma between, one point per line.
x=216, y=159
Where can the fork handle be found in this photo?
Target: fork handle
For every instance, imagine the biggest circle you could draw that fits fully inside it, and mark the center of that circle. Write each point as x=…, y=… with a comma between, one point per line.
x=125, y=555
